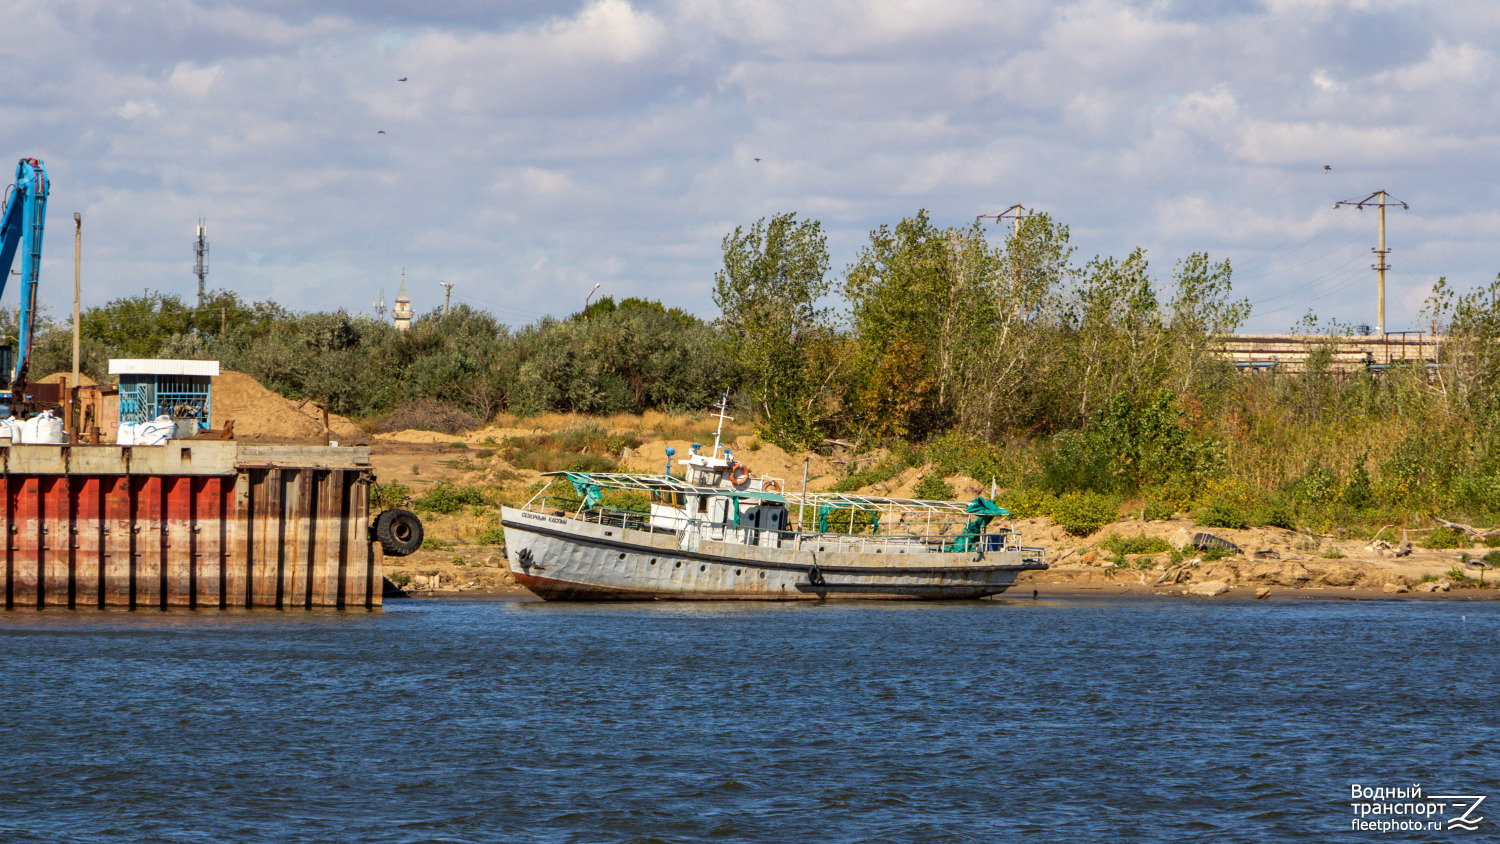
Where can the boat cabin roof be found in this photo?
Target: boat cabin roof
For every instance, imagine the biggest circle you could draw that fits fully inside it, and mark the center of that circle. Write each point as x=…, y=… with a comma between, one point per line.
x=666, y=483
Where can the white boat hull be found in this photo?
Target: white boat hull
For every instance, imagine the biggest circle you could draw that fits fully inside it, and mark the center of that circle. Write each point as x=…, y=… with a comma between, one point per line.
x=560, y=558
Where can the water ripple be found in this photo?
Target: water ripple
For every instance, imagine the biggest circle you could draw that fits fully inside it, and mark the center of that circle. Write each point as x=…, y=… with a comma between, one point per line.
x=975, y=722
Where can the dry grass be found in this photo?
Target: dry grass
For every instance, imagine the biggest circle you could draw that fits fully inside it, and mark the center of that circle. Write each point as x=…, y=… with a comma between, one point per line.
x=651, y=425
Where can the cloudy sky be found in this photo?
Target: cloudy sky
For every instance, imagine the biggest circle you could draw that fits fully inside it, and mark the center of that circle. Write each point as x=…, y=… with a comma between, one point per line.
x=539, y=148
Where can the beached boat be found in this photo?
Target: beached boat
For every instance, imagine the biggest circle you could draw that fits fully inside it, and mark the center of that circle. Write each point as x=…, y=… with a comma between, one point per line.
x=719, y=532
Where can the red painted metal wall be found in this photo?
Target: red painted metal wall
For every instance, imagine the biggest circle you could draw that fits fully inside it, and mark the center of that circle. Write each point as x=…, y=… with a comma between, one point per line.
x=264, y=537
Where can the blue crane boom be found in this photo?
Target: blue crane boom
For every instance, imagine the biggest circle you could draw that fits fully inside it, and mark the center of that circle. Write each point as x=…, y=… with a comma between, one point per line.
x=21, y=226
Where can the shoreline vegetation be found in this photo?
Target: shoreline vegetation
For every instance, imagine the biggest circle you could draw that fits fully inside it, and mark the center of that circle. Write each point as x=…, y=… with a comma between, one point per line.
x=1093, y=396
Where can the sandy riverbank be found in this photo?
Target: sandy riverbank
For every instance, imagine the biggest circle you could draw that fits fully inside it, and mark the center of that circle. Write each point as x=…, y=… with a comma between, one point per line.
x=434, y=574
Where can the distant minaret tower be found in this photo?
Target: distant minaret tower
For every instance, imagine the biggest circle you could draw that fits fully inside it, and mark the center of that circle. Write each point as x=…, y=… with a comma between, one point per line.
x=402, y=311
x=200, y=262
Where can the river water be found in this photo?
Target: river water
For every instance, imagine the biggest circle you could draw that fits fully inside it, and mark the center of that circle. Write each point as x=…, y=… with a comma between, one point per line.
x=1067, y=720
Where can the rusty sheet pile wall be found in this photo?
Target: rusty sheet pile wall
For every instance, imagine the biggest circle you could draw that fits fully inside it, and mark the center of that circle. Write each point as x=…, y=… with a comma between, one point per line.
x=201, y=524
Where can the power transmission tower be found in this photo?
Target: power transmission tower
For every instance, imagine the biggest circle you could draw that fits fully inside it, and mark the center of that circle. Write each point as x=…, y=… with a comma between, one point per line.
x=447, y=294
x=200, y=262
x=1379, y=199
x=1015, y=212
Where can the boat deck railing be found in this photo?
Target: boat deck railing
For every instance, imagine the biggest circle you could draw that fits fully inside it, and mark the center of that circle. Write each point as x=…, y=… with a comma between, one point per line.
x=995, y=540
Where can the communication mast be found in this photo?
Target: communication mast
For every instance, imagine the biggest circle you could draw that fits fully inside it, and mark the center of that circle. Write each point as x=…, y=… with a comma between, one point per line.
x=380, y=306
x=200, y=262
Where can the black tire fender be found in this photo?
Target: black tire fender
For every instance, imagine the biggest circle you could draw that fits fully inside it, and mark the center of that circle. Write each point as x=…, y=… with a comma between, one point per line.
x=399, y=532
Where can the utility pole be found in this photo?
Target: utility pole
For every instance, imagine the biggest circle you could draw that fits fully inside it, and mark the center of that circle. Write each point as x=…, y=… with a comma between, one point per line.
x=1015, y=212
x=77, y=288
x=447, y=292
x=74, y=426
x=1379, y=199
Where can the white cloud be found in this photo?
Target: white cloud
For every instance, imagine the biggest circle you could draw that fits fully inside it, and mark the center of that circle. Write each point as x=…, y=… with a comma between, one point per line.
x=132, y=109
x=1446, y=65
x=192, y=81
x=535, y=149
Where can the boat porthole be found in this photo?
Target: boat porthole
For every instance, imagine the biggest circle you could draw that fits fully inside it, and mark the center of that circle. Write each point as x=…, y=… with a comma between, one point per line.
x=622, y=556
x=736, y=572
x=679, y=565
x=653, y=561
x=762, y=574
x=877, y=550
x=703, y=568
x=820, y=548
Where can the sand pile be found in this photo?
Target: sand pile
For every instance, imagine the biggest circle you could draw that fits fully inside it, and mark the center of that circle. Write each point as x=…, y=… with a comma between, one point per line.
x=83, y=379
x=258, y=412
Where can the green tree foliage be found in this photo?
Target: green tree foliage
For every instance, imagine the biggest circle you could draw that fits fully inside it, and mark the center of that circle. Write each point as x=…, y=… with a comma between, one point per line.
x=773, y=328
x=919, y=299
x=1067, y=382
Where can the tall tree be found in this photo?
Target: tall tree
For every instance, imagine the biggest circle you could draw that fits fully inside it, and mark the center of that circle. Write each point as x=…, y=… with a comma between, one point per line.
x=919, y=305
x=768, y=295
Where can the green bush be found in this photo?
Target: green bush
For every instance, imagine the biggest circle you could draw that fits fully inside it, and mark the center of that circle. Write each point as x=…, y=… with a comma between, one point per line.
x=1157, y=511
x=447, y=498
x=1220, y=515
x=1272, y=512
x=624, y=499
x=1027, y=503
x=956, y=453
x=491, y=535
x=1445, y=538
x=1123, y=546
x=1493, y=558
x=1463, y=581
x=1082, y=513
x=591, y=463
x=933, y=488
x=388, y=495
x=1132, y=442
x=1318, y=486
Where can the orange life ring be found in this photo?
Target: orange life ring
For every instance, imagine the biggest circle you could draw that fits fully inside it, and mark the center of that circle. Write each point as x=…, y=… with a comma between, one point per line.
x=771, y=486
x=739, y=474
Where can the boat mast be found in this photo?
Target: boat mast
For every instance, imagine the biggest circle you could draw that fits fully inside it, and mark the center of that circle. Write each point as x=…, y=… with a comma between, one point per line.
x=723, y=406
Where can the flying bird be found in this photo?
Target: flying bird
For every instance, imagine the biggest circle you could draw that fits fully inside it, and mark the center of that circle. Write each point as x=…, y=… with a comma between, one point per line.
x=381, y=132
x=757, y=159
x=1327, y=167
x=402, y=79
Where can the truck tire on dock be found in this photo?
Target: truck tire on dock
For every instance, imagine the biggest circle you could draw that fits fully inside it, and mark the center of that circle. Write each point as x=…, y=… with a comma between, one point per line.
x=399, y=532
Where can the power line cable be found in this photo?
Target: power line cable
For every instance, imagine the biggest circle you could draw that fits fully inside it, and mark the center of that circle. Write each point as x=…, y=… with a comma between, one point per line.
x=1267, y=254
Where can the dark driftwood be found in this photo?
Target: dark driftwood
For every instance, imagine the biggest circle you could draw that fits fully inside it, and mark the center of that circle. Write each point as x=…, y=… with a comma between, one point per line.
x=1481, y=533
